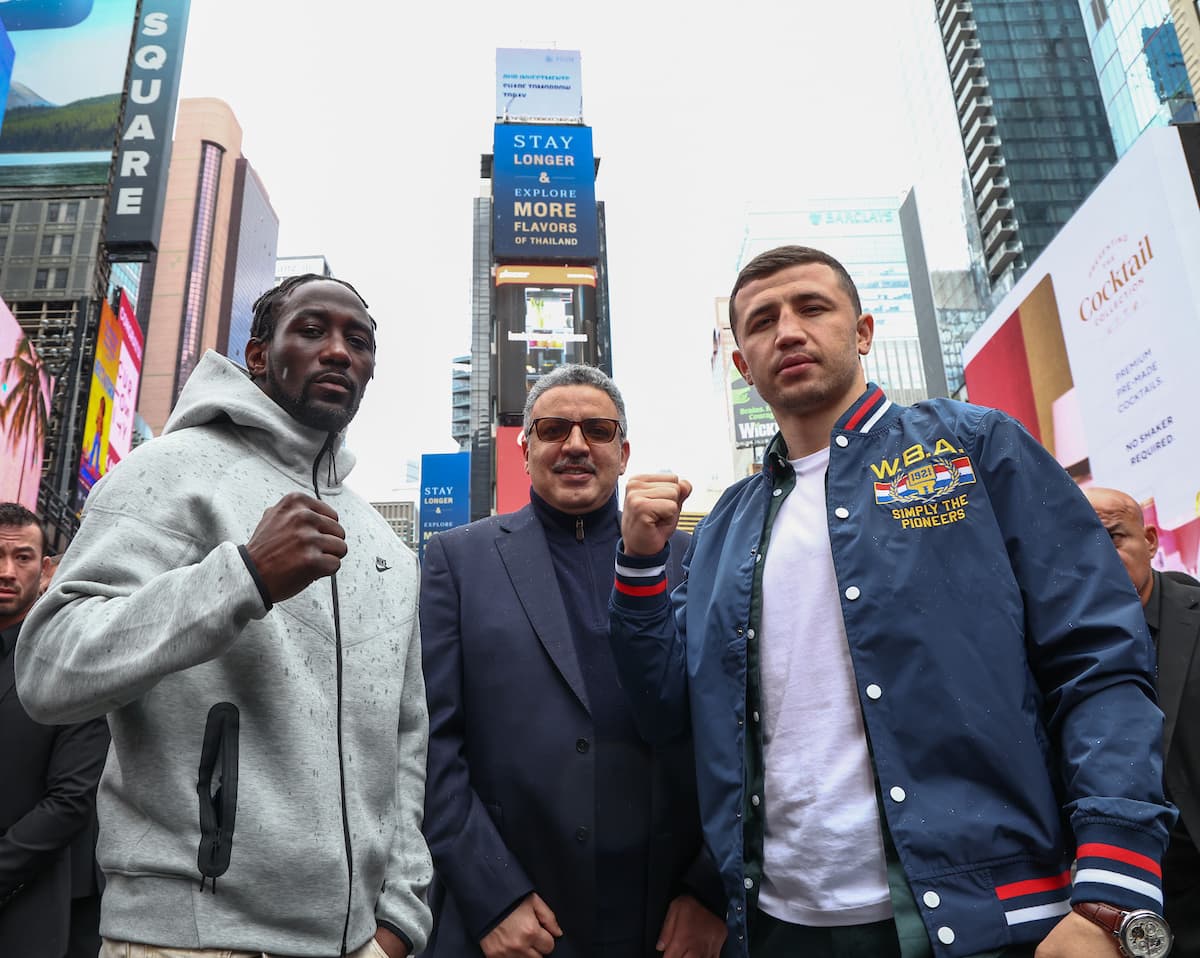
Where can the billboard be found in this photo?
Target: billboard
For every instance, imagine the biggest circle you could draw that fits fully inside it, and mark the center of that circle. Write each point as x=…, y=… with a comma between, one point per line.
x=445, y=493
x=25, y=389
x=1094, y=348
x=144, y=149
x=108, y=426
x=512, y=481
x=753, y=421
x=533, y=85
x=546, y=316
x=544, y=194
x=64, y=100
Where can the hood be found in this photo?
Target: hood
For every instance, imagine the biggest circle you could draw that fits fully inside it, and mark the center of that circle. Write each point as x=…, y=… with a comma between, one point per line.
x=219, y=390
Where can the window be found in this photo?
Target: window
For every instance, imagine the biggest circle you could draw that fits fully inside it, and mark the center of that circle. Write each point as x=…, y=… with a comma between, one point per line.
x=62, y=212
x=57, y=244
x=50, y=278
x=6, y=212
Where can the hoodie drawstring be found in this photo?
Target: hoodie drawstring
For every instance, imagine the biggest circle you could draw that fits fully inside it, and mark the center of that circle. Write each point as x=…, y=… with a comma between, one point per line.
x=331, y=469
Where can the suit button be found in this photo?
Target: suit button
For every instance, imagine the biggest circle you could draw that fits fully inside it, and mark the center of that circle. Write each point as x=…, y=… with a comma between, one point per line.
x=581, y=745
x=581, y=834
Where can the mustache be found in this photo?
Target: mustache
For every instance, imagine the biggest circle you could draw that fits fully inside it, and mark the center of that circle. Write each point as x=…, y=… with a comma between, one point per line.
x=338, y=378
x=574, y=463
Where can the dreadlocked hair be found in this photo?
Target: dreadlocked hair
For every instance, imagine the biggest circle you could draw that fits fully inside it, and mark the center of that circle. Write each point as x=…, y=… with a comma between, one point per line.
x=262, y=327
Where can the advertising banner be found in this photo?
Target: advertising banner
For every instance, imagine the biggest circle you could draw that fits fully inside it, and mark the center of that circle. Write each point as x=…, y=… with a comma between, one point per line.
x=512, y=481
x=64, y=100
x=445, y=493
x=144, y=149
x=536, y=85
x=753, y=422
x=1094, y=349
x=108, y=426
x=25, y=389
x=546, y=316
x=544, y=194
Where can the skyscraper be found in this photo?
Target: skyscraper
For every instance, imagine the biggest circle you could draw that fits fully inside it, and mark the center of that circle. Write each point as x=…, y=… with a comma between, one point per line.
x=1137, y=55
x=216, y=254
x=1032, y=119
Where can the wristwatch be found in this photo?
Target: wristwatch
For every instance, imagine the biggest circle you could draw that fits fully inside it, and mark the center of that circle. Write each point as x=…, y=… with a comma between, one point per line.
x=1139, y=934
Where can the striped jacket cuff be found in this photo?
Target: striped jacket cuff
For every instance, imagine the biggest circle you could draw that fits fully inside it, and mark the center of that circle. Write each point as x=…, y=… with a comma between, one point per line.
x=641, y=581
x=1117, y=866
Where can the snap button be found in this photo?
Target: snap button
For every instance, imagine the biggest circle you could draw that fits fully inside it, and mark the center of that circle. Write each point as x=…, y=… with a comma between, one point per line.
x=897, y=793
x=581, y=745
x=842, y=512
x=754, y=716
x=749, y=633
x=754, y=800
x=777, y=493
x=932, y=899
x=581, y=834
x=946, y=935
x=842, y=441
x=874, y=691
x=749, y=883
x=853, y=593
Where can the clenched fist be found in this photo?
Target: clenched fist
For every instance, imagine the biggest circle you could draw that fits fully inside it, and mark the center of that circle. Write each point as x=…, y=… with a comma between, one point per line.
x=297, y=541
x=651, y=513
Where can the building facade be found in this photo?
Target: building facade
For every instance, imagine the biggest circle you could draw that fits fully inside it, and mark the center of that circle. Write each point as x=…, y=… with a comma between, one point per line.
x=401, y=515
x=216, y=254
x=1034, y=130
x=460, y=402
x=1143, y=76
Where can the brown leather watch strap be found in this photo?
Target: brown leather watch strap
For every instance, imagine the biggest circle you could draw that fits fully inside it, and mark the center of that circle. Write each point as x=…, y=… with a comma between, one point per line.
x=1106, y=916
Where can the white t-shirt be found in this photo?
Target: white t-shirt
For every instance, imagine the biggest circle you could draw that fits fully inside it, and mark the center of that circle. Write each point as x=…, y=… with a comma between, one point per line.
x=824, y=862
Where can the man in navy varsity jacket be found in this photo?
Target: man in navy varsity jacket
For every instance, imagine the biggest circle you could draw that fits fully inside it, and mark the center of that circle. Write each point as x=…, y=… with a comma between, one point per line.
x=918, y=679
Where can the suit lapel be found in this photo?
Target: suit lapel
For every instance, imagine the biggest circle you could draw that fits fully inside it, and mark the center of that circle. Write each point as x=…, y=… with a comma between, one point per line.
x=8, y=675
x=1178, y=637
x=526, y=557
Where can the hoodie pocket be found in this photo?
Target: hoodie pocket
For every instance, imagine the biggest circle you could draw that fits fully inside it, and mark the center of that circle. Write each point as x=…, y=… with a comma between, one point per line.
x=217, y=787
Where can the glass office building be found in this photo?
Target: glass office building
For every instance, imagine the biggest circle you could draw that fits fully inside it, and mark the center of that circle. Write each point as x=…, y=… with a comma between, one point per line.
x=1138, y=59
x=863, y=233
x=1035, y=133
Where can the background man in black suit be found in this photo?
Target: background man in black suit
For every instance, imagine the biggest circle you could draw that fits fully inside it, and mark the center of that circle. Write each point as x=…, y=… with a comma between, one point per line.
x=50, y=773
x=1173, y=614
x=552, y=825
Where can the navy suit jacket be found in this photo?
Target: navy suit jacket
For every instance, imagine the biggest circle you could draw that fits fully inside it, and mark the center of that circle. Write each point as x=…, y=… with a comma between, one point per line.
x=48, y=798
x=509, y=805
x=1179, y=696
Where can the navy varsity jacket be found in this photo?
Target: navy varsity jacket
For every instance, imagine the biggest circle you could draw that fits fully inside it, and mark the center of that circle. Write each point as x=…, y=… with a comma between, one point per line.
x=1004, y=671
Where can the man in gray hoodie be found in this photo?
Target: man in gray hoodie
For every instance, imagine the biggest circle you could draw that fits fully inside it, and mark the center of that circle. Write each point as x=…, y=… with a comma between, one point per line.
x=248, y=623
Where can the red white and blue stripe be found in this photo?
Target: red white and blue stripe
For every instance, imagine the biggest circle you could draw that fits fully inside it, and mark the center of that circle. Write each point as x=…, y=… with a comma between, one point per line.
x=870, y=412
x=1036, y=899
x=640, y=577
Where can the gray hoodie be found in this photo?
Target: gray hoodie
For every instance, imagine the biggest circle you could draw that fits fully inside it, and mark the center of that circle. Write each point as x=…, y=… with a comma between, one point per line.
x=154, y=618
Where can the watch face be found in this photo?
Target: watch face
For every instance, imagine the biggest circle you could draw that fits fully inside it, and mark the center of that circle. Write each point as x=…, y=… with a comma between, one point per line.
x=1145, y=935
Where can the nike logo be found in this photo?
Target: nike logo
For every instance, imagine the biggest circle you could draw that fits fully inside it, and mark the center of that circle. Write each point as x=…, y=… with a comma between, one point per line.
x=382, y=564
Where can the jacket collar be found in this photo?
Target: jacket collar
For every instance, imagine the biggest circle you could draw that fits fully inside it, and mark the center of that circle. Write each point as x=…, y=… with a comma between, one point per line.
x=862, y=416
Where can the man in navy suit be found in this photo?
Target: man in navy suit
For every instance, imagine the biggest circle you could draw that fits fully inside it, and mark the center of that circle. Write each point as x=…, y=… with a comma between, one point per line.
x=553, y=826
x=50, y=778
x=1172, y=609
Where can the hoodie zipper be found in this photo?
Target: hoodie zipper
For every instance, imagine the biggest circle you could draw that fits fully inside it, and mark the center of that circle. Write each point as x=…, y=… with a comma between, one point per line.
x=327, y=451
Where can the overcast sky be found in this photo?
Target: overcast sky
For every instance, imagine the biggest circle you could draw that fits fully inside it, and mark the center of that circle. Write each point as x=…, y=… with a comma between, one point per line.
x=366, y=121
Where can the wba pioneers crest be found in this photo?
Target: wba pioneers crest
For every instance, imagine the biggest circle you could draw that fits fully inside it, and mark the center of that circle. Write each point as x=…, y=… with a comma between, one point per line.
x=929, y=480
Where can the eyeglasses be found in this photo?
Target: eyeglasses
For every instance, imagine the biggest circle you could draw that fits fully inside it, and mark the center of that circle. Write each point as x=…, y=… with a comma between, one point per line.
x=554, y=429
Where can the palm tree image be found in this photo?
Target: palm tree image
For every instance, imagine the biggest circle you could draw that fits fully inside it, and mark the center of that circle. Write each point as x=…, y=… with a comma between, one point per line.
x=24, y=409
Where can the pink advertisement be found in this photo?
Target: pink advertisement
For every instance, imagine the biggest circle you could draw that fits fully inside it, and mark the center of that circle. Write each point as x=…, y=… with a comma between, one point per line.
x=1095, y=347
x=25, y=389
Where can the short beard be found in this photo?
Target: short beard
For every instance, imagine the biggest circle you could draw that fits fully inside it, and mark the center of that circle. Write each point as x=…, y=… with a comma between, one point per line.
x=330, y=419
